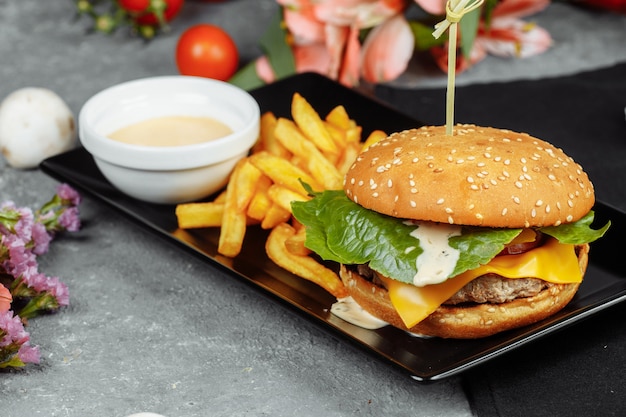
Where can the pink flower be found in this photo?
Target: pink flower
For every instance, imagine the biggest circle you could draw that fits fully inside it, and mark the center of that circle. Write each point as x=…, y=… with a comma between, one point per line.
x=69, y=195
x=5, y=299
x=15, y=348
x=436, y=7
x=325, y=38
x=387, y=50
x=506, y=36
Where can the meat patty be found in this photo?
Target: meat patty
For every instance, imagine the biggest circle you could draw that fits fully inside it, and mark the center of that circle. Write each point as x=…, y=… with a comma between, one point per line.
x=492, y=288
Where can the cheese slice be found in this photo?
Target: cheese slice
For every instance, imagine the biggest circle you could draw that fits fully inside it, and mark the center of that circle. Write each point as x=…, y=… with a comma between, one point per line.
x=553, y=262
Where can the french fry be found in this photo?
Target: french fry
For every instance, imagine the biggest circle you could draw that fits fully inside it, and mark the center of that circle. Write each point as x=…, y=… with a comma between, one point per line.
x=375, y=136
x=320, y=168
x=221, y=197
x=338, y=117
x=263, y=185
x=267, y=139
x=353, y=135
x=283, y=196
x=303, y=266
x=295, y=243
x=275, y=216
x=239, y=192
x=282, y=171
x=311, y=125
x=198, y=215
x=348, y=157
x=338, y=135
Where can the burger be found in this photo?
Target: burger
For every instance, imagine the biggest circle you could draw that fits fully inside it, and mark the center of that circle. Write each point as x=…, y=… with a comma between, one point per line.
x=457, y=236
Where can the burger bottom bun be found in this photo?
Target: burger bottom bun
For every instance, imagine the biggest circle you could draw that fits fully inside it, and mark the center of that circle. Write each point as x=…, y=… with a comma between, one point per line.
x=468, y=321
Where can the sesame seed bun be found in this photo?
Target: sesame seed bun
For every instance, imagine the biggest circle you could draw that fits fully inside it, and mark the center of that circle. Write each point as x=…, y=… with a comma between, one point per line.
x=479, y=176
x=468, y=321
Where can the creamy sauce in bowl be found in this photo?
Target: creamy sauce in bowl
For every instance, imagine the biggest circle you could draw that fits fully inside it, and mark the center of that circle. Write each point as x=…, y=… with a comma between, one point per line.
x=172, y=131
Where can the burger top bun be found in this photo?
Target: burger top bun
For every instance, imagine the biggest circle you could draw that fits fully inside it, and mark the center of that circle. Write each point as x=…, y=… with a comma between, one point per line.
x=479, y=176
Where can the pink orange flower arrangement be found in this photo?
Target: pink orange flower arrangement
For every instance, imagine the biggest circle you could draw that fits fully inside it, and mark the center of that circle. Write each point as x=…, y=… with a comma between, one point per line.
x=24, y=291
x=374, y=40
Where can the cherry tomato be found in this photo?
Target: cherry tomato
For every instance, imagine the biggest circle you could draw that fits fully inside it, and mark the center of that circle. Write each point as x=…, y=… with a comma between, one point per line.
x=140, y=10
x=207, y=51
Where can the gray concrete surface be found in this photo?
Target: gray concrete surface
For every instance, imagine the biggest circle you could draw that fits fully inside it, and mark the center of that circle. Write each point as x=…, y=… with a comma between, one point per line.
x=151, y=328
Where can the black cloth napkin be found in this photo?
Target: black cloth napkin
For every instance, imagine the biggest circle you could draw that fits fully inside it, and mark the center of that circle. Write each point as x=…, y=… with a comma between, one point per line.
x=580, y=370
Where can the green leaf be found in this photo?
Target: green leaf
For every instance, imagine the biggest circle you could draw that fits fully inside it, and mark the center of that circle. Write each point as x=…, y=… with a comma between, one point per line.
x=247, y=78
x=423, y=34
x=577, y=232
x=341, y=231
x=274, y=44
x=468, y=26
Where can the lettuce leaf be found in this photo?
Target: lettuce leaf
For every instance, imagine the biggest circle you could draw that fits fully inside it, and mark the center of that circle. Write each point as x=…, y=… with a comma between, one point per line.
x=342, y=231
x=577, y=232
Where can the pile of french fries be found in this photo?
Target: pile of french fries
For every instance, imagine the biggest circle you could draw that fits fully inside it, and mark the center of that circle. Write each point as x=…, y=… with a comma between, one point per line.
x=310, y=149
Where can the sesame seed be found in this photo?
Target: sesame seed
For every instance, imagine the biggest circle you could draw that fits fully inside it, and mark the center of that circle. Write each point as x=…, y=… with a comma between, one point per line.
x=450, y=220
x=413, y=190
x=440, y=201
x=570, y=203
x=533, y=213
x=504, y=211
x=518, y=184
x=569, y=218
x=449, y=210
x=375, y=195
x=389, y=183
x=413, y=203
x=539, y=203
x=548, y=208
x=470, y=179
x=479, y=216
x=516, y=199
x=474, y=187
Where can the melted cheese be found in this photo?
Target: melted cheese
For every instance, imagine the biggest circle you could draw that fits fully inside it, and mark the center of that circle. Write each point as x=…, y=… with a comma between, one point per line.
x=553, y=262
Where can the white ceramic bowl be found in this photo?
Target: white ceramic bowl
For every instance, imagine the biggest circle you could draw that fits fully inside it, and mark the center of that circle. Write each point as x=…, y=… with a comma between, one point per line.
x=176, y=174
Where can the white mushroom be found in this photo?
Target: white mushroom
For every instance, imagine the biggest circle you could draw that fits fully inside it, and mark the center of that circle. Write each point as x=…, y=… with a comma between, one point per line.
x=35, y=123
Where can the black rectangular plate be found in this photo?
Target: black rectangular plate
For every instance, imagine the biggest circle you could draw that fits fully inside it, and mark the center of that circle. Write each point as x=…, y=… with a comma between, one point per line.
x=423, y=359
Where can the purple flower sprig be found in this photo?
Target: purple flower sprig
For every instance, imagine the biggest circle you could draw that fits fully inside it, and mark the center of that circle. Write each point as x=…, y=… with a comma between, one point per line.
x=15, y=348
x=26, y=234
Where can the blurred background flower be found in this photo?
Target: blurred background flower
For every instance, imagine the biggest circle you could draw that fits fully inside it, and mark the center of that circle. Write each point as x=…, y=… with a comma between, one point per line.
x=374, y=40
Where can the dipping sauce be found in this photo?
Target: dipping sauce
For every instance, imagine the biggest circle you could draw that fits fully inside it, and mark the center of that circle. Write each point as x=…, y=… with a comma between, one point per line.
x=172, y=131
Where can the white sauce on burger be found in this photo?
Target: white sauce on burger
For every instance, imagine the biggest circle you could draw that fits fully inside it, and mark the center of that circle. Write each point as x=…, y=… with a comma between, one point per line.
x=439, y=259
